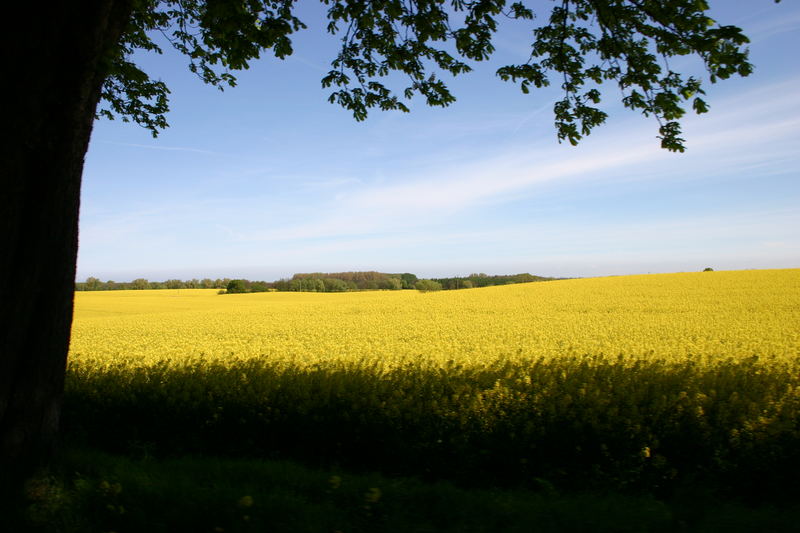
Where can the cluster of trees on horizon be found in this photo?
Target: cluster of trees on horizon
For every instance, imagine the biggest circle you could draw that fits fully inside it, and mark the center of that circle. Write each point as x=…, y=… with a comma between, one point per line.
x=346, y=281
x=95, y=284
x=484, y=280
x=317, y=282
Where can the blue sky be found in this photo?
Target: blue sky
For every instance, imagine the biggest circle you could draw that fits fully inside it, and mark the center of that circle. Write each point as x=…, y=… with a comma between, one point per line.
x=268, y=178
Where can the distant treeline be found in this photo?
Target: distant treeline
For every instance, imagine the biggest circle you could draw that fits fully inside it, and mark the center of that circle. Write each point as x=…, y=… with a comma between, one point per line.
x=483, y=280
x=317, y=282
x=346, y=281
x=94, y=284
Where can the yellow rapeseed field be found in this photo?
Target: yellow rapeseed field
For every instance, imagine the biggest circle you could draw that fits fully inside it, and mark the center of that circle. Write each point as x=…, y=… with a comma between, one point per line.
x=636, y=381
x=708, y=314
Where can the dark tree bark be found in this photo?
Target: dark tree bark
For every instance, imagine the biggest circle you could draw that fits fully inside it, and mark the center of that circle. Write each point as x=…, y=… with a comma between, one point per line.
x=59, y=56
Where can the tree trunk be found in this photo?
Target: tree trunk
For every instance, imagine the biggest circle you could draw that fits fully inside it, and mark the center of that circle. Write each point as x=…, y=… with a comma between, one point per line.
x=59, y=55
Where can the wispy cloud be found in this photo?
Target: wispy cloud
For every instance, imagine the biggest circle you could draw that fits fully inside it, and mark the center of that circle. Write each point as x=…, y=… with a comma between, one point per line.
x=749, y=131
x=163, y=148
x=780, y=21
x=329, y=184
x=313, y=65
x=745, y=124
x=562, y=248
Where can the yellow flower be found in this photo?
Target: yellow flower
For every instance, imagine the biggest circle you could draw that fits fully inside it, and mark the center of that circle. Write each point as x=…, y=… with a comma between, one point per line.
x=373, y=495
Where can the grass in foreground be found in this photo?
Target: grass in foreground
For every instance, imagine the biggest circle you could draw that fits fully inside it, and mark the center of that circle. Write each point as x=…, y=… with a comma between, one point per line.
x=90, y=491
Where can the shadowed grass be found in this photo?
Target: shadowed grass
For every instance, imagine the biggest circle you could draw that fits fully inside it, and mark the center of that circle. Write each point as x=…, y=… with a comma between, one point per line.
x=90, y=491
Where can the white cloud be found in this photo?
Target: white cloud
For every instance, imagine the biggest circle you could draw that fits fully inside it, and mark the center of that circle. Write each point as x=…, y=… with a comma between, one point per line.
x=164, y=148
x=751, y=130
x=780, y=22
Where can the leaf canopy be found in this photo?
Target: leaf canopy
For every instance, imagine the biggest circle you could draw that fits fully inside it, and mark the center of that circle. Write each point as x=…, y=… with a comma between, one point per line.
x=579, y=45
